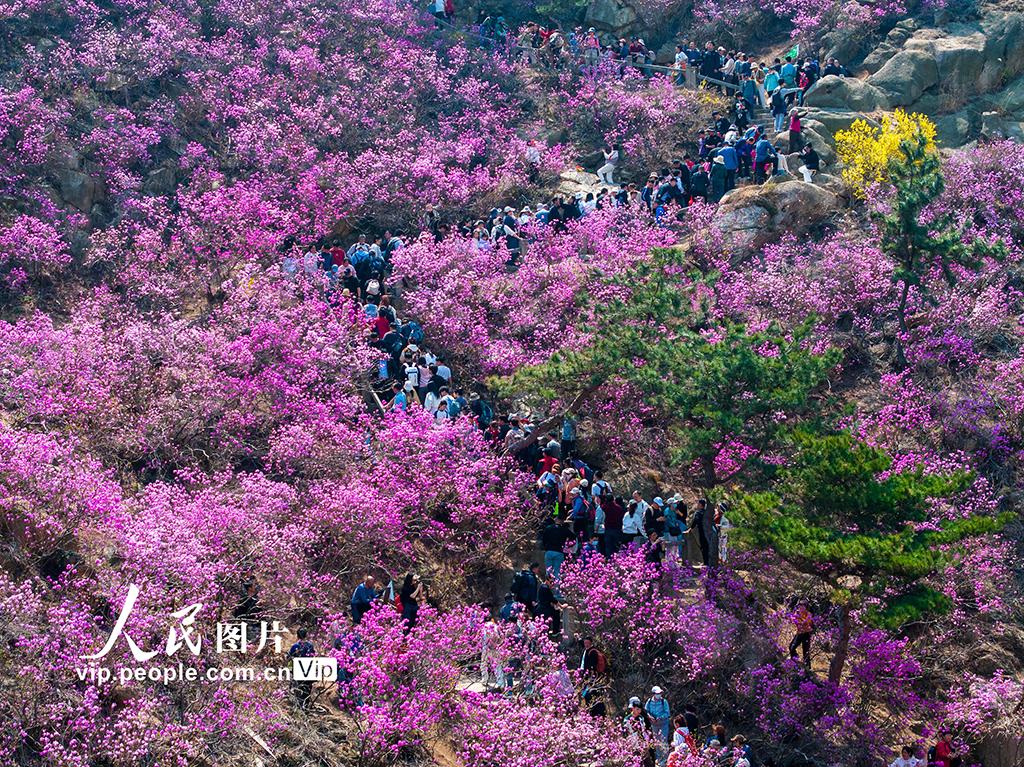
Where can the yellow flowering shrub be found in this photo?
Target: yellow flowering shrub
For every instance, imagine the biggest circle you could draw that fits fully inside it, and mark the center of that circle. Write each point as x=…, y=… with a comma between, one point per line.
x=865, y=150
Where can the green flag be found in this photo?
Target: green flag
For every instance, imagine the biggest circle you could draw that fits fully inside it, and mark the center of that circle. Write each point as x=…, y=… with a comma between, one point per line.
x=795, y=52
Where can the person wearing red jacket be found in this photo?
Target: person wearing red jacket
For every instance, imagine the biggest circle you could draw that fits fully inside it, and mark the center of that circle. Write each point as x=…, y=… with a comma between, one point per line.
x=614, y=512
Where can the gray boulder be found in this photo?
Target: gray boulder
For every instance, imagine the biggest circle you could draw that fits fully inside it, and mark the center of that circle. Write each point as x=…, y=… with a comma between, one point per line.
x=906, y=76
x=959, y=58
x=837, y=92
x=835, y=120
x=612, y=15
x=1011, y=98
x=1004, y=47
x=750, y=215
x=888, y=48
x=79, y=189
x=877, y=58
x=952, y=130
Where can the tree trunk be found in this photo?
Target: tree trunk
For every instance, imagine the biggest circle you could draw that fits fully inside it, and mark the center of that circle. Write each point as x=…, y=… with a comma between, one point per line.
x=835, y=668
x=709, y=477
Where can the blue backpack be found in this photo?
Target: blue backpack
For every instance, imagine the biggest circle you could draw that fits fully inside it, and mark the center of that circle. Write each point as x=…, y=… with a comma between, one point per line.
x=486, y=414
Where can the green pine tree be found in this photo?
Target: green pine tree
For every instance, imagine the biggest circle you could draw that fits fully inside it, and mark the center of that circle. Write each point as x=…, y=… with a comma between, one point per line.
x=917, y=245
x=710, y=379
x=832, y=516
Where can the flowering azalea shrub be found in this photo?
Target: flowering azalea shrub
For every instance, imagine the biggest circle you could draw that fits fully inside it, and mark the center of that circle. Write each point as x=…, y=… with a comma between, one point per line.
x=635, y=609
x=649, y=118
x=494, y=320
x=188, y=438
x=807, y=21
x=287, y=143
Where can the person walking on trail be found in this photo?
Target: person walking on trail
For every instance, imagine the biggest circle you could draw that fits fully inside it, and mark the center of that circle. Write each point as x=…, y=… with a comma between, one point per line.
x=657, y=709
x=363, y=598
x=524, y=587
x=398, y=399
x=804, y=622
x=607, y=171
x=636, y=726
x=779, y=109
x=796, y=132
x=633, y=523
x=614, y=517
x=591, y=48
x=491, y=663
x=549, y=607
x=302, y=648
x=592, y=660
x=553, y=538
x=719, y=179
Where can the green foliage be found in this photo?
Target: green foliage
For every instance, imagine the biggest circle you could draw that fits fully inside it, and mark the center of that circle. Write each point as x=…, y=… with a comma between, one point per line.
x=839, y=513
x=917, y=245
x=710, y=379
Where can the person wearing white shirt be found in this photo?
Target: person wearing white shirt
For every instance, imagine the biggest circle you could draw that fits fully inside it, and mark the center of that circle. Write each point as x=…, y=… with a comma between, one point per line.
x=443, y=371
x=441, y=414
x=611, y=159
x=906, y=759
x=633, y=523
x=431, y=402
x=641, y=504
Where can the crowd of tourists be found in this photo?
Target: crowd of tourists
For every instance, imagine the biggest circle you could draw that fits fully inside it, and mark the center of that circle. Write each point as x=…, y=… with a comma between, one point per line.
x=584, y=516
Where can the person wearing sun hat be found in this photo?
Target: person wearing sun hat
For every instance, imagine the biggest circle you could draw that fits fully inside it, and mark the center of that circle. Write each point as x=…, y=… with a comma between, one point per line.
x=658, y=710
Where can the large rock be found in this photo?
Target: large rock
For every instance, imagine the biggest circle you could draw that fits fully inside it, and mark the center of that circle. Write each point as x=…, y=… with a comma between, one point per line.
x=959, y=58
x=952, y=130
x=743, y=219
x=838, y=119
x=573, y=182
x=748, y=216
x=79, y=189
x=892, y=43
x=906, y=76
x=837, y=92
x=1011, y=98
x=612, y=15
x=1004, y=47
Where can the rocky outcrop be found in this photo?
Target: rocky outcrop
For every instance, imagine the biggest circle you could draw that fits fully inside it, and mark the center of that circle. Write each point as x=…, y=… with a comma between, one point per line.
x=833, y=120
x=845, y=93
x=79, y=189
x=611, y=16
x=965, y=76
x=906, y=76
x=893, y=42
x=751, y=215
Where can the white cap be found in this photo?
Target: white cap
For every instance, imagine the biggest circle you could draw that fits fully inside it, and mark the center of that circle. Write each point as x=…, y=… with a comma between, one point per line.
x=656, y=690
